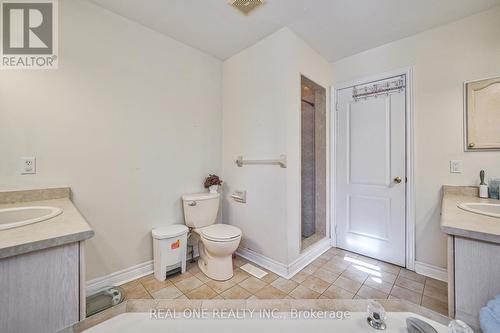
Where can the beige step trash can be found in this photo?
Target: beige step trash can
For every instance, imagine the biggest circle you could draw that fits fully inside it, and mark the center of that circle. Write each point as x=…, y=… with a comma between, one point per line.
x=169, y=250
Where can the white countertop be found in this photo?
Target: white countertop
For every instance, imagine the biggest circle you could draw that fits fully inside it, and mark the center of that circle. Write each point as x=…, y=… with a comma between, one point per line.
x=68, y=227
x=458, y=222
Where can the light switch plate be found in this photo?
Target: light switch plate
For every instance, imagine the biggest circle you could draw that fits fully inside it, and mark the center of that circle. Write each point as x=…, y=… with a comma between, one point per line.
x=28, y=165
x=455, y=166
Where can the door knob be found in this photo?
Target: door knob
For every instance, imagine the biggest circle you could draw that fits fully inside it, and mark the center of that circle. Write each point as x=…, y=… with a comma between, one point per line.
x=397, y=180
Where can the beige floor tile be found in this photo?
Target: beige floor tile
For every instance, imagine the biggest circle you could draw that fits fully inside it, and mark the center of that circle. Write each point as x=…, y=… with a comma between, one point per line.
x=130, y=285
x=202, y=277
x=319, y=262
x=236, y=292
x=239, y=261
x=239, y=275
x=326, y=275
x=435, y=305
x=355, y=274
x=350, y=255
x=377, y=283
x=270, y=277
x=220, y=286
x=388, y=268
x=336, y=266
x=218, y=297
x=347, y=284
x=203, y=292
x=436, y=293
x=152, y=284
x=327, y=256
x=269, y=292
x=367, y=260
x=252, y=284
x=180, y=277
x=284, y=285
x=182, y=297
x=334, y=292
x=188, y=284
x=412, y=275
x=302, y=292
x=409, y=284
x=169, y=292
x=366, y=292
x=316, y=284
x=406, y=294
x=335, y=251
x=429, y=282
x=136, y=291
x=387, y=277
x=192, y=267
x=309, y=269
x=300, y=277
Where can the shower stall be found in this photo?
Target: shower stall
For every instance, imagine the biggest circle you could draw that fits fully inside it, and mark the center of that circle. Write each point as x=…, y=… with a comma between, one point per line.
x=313, y=162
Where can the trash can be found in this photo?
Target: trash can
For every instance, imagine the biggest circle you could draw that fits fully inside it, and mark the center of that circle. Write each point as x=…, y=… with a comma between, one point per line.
x=169, y=250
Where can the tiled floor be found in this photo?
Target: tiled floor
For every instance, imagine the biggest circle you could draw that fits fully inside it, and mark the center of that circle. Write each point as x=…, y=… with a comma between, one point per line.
x=308, y=241
x=337, y=274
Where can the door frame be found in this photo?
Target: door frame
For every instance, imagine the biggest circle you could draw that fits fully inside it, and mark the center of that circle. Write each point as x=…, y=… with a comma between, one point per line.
x=410, y=156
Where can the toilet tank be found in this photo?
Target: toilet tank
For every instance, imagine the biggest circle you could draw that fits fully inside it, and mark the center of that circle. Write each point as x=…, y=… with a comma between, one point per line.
x=200, y=209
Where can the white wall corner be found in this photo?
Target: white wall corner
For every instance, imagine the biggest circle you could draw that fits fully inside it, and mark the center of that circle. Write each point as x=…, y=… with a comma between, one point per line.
x=431, y=271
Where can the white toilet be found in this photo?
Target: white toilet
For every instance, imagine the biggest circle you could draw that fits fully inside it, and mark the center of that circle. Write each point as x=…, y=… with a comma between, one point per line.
x=218, y=241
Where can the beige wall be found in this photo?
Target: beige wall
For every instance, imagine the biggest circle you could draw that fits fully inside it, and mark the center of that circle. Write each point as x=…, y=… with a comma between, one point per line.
x=130, y=121
x=261, y=120
x=443, y=59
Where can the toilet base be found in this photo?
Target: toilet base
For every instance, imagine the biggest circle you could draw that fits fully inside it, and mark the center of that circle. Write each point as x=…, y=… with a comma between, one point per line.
x=216, y=268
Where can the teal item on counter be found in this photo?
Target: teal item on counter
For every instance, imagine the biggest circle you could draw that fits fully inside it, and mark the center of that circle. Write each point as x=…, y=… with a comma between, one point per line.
x=494, y=188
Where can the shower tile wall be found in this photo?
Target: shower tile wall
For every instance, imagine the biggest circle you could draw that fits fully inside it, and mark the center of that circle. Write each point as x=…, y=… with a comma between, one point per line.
x=308, y=170
x=320, y=154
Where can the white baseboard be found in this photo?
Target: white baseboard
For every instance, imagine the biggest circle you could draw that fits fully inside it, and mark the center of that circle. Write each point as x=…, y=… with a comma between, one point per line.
x=308, y=256
x=120, y=277
x=146, y=268
x=431, y=271
x=283, y=270
x=263, y=261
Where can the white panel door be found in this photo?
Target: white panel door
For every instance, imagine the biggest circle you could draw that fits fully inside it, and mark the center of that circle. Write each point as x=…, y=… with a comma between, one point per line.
x=370, y=180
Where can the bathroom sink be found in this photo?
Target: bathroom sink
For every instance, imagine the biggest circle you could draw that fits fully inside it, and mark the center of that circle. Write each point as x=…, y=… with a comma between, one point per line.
x=19, y=216
x=488, y=209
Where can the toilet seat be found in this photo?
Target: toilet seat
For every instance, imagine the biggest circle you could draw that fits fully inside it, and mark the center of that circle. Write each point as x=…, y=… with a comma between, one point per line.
x=220, y=232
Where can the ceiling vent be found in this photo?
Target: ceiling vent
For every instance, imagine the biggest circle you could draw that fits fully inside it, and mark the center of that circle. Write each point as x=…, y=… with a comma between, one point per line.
x=246, y=6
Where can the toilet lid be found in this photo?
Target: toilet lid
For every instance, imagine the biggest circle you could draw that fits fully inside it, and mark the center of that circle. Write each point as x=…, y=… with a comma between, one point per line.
x=220, y=232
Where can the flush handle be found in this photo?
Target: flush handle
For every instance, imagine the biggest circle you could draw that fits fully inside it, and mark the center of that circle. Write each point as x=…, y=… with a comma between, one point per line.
x=192, y=203
x=397, y=180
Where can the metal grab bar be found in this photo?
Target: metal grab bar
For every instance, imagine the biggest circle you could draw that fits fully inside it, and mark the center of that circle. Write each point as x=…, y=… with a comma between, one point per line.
x=281, y=162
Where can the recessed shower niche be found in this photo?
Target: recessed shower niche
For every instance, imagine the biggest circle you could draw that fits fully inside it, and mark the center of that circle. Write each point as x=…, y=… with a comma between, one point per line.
x=313, y=162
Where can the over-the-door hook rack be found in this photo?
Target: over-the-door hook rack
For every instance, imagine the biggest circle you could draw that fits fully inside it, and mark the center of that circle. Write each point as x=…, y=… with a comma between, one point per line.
x=281, y=162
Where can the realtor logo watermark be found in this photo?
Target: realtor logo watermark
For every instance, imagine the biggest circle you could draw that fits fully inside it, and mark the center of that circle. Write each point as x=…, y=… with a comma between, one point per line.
x=29, y=37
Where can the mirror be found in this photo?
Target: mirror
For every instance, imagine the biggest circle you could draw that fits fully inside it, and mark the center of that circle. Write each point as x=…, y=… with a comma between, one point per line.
x=482, y=115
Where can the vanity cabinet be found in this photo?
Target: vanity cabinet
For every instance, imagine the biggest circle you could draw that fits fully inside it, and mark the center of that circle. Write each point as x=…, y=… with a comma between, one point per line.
x=474, y=269
x=41, y=290
x=473, y=254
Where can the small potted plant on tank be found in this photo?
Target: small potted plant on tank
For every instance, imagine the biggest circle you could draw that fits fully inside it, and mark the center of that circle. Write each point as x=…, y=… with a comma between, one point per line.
x=212, y=182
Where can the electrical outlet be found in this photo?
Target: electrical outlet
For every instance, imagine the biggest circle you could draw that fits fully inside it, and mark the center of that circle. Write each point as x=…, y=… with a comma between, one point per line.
x=28, y=165
x=455, y=166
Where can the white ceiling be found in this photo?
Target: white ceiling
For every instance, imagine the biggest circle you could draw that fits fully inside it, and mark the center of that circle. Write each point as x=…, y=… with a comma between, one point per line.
x=335, y=28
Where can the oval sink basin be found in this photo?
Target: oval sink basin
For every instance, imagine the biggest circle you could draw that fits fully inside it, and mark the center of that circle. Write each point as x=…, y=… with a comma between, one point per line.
x=19, y=216
x=488, y=209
